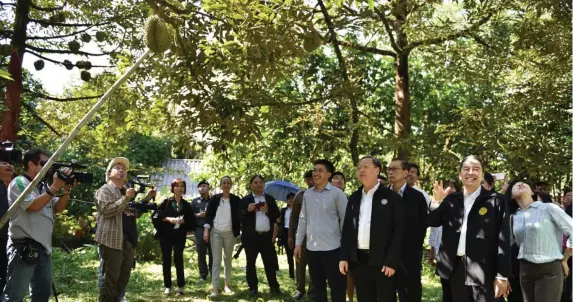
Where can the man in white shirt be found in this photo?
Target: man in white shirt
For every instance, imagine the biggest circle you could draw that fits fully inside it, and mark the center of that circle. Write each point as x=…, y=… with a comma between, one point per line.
x=413, y=178
x=372, y=234
x=260, y=211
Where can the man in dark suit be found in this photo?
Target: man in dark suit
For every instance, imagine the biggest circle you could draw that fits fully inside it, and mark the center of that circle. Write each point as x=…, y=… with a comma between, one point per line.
x=260, y=213
x=409, y=274
x=284, y=229
x=474, y=258
x=372, y=234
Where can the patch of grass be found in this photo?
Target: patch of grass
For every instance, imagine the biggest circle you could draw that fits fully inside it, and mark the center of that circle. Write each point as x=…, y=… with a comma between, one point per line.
x=75, y=277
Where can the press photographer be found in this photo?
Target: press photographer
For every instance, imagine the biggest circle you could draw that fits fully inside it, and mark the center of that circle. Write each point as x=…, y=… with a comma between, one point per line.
x=117, y=240
x=133, y=211
x=8, y=156
x=30, y=230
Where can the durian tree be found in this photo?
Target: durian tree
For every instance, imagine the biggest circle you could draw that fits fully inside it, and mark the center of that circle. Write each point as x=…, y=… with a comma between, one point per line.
x=47, y=30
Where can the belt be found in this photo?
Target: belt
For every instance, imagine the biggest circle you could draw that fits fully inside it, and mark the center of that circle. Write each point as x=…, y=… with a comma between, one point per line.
x=462, y=258
x=261, y=233
x=364, y=251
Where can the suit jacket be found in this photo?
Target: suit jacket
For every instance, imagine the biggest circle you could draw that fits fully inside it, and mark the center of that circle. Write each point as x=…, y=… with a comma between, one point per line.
x=249, y=220
x=487, y=237
x=165, y=209
x=386, y=228
x=294, y=215
x=235, y=214
x=415, y=216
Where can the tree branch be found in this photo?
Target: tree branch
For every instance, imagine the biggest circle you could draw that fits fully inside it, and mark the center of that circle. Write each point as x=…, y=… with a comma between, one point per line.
x=46, y=9
x=373, y=50
x=467, y=32
x=53, y=98
x=333, y=39
x=376, y=121
x=307, y=102
x=7, y=4
x=48, y=23
x=68, y=35
x=388, y=30
x=61, y=63
x=40, y=119
x=60, y=51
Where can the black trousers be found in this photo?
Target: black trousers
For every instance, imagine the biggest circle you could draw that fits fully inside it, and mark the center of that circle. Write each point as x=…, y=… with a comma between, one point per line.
x=371, y=284
x=541, y=282
x=260, y=244
x=455, y=289
x=409, y=278
x=289, y=253
x=3, y=262
x=323, y=266
x=203, y=250
x=172, y=244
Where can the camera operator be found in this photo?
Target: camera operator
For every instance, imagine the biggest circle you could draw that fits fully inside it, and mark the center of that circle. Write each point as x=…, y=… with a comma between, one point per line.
x=116, y=251
x=6, y=172
x=30, y=231
x=133, y=211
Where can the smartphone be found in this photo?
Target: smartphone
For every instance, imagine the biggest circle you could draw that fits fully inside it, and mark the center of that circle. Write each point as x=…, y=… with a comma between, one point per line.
x=498, y=176
x=259, y=205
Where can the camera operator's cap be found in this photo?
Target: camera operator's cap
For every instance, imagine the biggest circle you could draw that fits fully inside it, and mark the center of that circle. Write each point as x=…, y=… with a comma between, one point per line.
x=118, y=160
x=203, y=182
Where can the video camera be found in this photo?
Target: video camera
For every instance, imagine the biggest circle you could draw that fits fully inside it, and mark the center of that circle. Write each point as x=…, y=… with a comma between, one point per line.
x=8, y=153
x=142, y=206
x=80, y=177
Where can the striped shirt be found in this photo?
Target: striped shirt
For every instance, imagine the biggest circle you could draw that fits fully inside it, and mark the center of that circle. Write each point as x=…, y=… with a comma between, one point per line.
x=538, y=231
x=110, y=204
x=321, y=218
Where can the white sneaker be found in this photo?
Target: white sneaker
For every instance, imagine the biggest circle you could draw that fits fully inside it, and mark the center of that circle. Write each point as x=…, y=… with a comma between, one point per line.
x=123, y=299
x=180, y=291
x=167, y=291
x=228, y=290
x=214, y=294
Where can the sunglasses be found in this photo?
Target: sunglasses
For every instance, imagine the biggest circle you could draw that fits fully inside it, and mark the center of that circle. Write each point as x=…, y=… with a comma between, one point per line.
x=42, y=163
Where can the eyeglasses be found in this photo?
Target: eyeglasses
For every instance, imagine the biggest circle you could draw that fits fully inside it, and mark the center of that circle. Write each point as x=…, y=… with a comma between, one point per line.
x=394, y=169
x=43, y=162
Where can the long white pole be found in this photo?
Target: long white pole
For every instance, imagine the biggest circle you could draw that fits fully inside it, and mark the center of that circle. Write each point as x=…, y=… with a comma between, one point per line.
x=70, y=137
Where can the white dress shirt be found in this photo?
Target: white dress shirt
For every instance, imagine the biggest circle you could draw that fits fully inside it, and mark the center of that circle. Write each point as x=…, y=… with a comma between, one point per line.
x=402, y=189
x=468, y=204
x=262, y=220
x=426, y=196
x=223, y=221
x=365, y=217
x=287, y=218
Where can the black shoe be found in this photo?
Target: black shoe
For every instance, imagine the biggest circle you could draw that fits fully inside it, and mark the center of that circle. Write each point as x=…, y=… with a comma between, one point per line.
x=253, y=293
x=298, y=296
x=275, y=291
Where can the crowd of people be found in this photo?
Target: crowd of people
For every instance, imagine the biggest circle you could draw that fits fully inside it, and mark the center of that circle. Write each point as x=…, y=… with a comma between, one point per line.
x=485, y=245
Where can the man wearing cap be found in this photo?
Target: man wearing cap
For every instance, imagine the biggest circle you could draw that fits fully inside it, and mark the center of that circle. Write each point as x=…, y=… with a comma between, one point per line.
x=116, y=253
x=300, y=266
x=199, y=206
x=30, y=231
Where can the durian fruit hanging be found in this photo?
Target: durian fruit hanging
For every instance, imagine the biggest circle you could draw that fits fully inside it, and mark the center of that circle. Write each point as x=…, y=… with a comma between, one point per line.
x=85, y=75
x=159, y=36
x=312, y=40
x=39, y=65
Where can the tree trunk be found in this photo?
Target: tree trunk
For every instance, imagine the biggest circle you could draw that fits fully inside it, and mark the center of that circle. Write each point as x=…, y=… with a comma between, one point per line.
x=402, y=126
x=13, y=98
